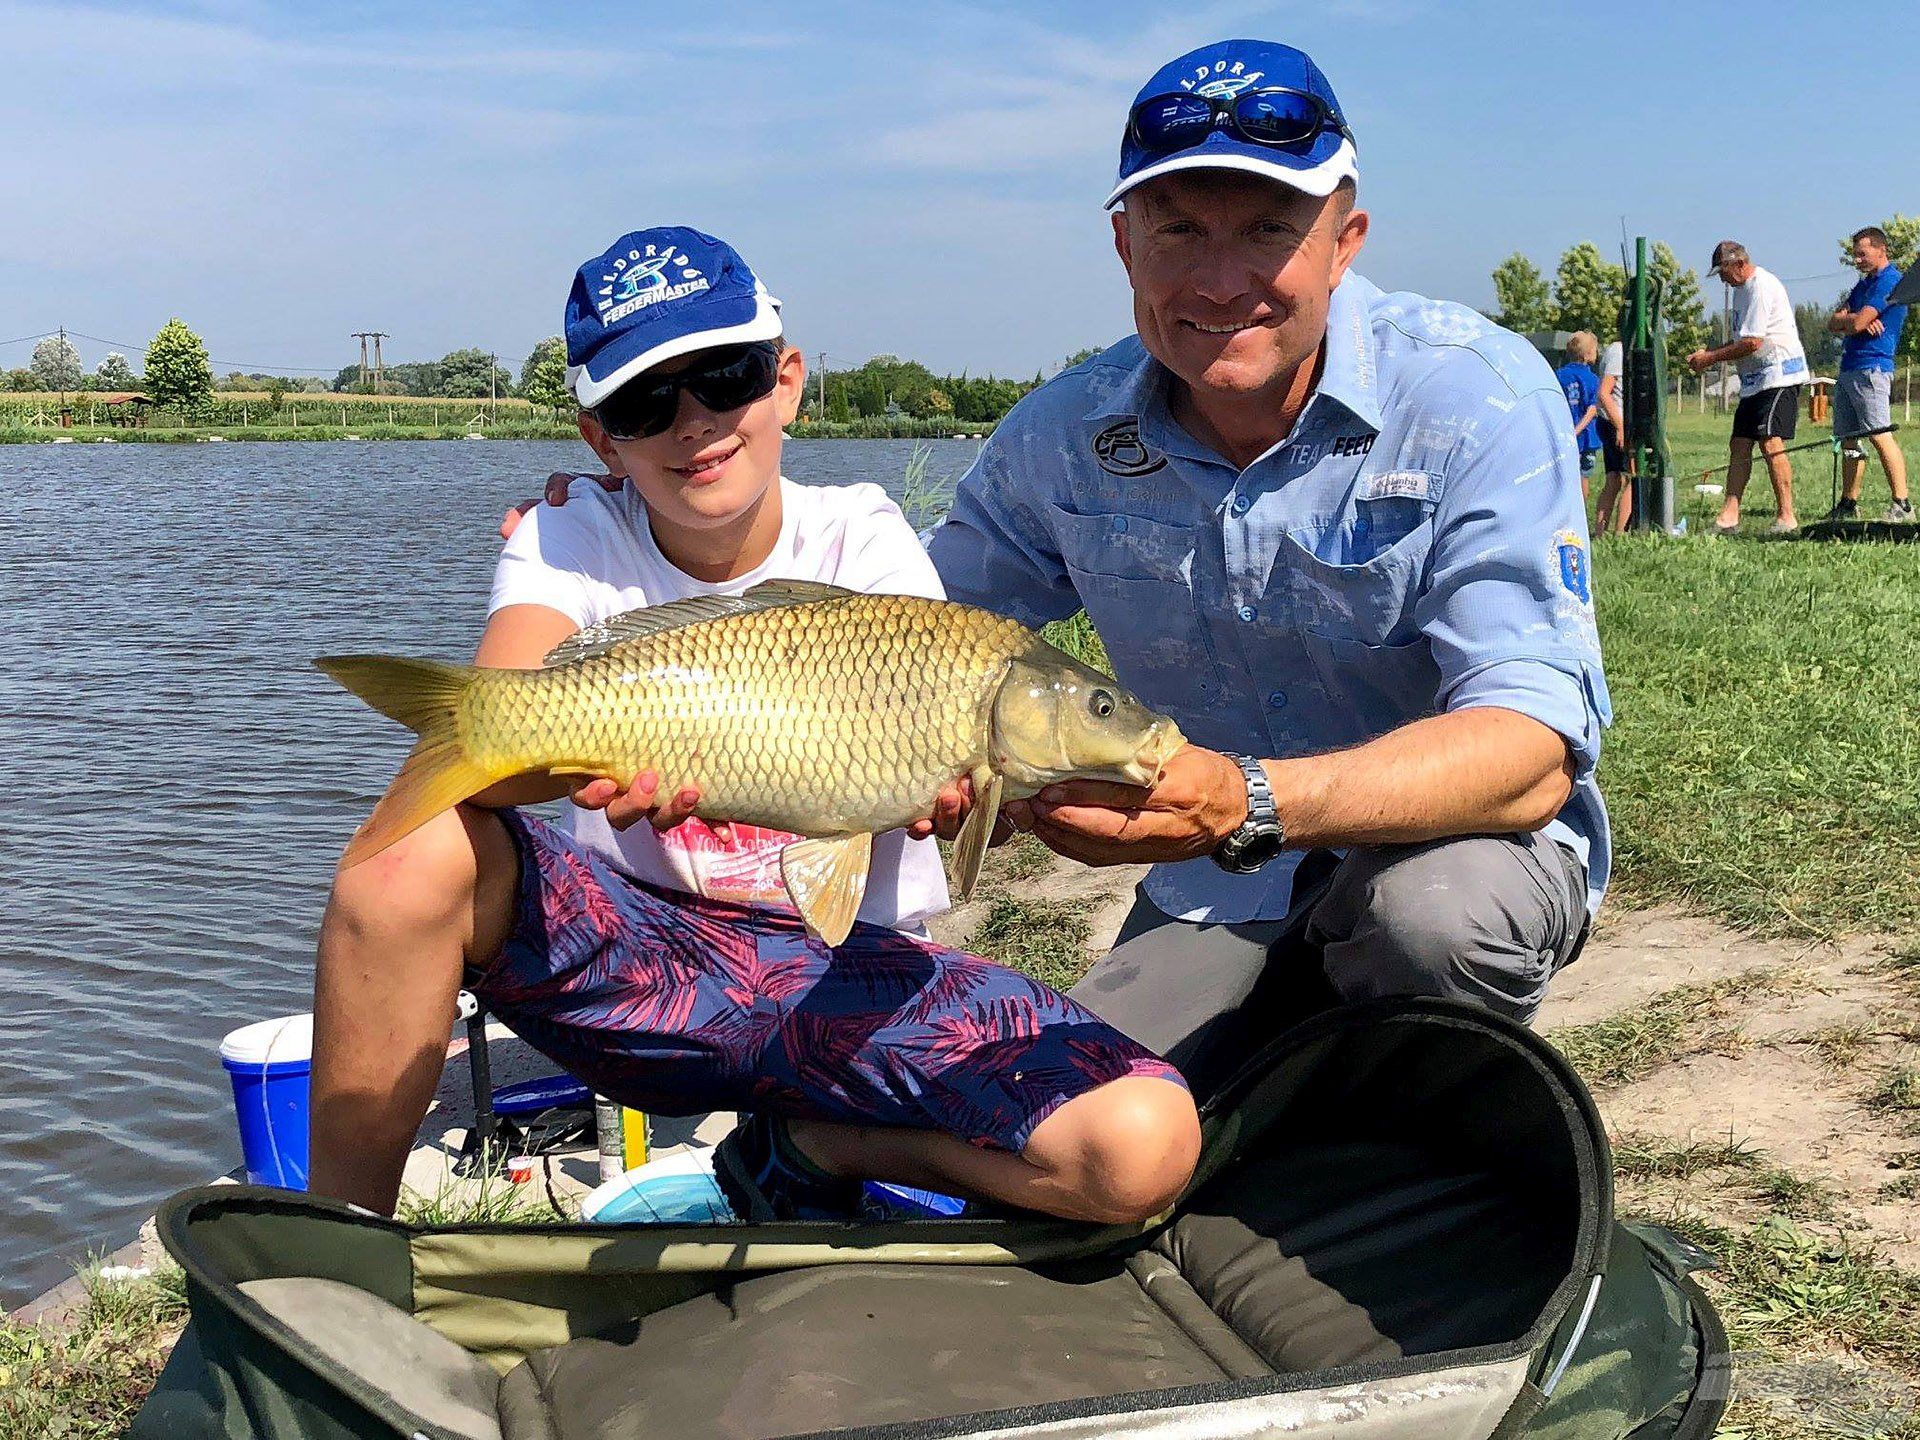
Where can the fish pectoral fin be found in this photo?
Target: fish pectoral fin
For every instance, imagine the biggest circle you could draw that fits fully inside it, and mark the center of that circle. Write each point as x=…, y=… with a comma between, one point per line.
x=826, y=879
x=970, y=850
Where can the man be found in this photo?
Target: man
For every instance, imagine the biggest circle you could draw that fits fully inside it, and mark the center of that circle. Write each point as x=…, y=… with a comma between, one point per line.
x=1338, y=534
x=1772, y=365
x=1616, y=495
x=1863, y=399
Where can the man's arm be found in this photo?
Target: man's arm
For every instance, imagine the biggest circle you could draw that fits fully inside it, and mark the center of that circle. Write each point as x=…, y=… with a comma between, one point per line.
x=994, y=549
x=1736, y=350
x=1610, y=403
x=1854, y=322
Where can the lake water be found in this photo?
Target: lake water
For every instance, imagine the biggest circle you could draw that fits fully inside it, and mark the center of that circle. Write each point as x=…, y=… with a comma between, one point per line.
x=180, y=779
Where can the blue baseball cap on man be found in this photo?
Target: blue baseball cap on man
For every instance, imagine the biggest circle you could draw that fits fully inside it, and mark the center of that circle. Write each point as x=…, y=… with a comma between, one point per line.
x=656, y=294
x=1247, y=105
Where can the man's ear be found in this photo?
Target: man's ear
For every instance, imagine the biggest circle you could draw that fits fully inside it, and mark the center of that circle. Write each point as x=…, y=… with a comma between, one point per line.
x=790, y=384
x=1122, y=241
x=601, y=443
x=1347, y=241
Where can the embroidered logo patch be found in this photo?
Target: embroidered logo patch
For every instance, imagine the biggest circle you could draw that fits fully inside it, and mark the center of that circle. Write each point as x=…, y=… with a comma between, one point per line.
x=1573, y=566
x=1121, y=451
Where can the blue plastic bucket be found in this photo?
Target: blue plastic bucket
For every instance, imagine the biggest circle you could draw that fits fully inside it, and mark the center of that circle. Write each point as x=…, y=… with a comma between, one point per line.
x=269, y=1063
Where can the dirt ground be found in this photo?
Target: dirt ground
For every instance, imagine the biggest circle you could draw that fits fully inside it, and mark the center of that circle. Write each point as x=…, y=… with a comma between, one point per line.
x=1763, y=1091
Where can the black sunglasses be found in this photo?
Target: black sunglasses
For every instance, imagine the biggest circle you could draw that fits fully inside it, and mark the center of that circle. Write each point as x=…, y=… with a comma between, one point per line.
x=735, y=375
x=1280, y=117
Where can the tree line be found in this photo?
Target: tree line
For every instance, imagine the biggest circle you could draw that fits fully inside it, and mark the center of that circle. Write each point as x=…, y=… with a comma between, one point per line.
x=1587, y=292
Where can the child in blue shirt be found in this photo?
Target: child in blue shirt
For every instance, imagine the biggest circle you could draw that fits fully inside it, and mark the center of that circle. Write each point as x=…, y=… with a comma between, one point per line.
x=1582, y=388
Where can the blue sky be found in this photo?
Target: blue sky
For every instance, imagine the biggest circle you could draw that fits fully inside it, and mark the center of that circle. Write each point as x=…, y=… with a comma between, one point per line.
x=923, y=179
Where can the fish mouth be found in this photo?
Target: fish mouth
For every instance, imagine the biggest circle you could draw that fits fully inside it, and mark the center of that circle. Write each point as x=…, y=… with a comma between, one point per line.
x=1150, y=761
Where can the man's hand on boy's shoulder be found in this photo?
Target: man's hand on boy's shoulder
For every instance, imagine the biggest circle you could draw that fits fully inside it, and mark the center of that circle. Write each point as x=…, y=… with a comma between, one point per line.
x=556, y=494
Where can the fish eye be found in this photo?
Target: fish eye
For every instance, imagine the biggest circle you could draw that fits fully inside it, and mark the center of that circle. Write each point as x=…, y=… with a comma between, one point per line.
x=1101, y=704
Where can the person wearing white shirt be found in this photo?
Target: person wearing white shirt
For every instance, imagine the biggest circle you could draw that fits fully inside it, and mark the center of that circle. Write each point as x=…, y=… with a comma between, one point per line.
x=1772, y=365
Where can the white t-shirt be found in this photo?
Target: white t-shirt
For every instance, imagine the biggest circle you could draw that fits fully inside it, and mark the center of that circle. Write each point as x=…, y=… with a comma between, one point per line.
x=595, y=557
x=1613, y=361
x=1762, y=311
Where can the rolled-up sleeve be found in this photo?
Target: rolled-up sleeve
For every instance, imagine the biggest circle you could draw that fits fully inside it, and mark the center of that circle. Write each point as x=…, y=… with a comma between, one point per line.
x=1508, y=608
x=993, y=549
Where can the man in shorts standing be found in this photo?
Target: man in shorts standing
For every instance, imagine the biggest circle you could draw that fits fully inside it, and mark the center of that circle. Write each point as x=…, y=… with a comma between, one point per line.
x=1862, y=401
x=1766, y=350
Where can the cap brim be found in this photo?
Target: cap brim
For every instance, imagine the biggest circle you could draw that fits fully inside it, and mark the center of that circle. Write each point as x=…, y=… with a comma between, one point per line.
x=1318, y=180
x=590, y=389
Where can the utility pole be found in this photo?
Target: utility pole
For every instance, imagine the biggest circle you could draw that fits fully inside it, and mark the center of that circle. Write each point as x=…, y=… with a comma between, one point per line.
x=363, y=336
x=493, y=386
x=379, y=365
x=823, y=387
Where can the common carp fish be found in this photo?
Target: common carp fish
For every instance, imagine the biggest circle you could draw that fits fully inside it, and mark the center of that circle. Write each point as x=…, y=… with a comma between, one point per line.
x=799, y=706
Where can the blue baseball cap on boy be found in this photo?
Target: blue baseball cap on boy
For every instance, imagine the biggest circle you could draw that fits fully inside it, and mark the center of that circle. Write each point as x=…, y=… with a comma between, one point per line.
x=1256, y=87
x=656, y=294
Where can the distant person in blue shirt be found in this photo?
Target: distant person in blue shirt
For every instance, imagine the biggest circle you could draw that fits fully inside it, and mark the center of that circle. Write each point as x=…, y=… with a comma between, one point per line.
x=1863, y=399
x=1581, y=386
x=1339, y=534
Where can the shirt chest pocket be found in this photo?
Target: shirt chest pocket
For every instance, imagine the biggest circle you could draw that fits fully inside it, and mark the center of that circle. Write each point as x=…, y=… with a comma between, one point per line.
x=1123, y=548
x=1356, y=580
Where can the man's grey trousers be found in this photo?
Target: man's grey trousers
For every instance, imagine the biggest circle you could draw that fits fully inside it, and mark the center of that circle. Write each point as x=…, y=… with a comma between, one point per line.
x=1483, y=918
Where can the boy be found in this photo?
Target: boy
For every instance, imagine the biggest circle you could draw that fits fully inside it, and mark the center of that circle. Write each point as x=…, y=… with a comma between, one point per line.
x=1582, y=389
x=649, y=959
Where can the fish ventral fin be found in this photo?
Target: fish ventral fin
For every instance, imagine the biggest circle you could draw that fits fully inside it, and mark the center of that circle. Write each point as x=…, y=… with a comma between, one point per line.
x=437, y=773
x=826, y=879
x=597, y=640
x=970, y=850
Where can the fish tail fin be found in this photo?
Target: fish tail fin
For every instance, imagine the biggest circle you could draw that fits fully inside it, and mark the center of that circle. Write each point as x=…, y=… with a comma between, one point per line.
x=438, y=773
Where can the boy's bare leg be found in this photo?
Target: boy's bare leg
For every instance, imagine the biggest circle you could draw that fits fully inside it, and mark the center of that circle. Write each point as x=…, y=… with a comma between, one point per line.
x=1894, y=461
x=1780, y=471
x=1118, y=1154
x=398, y=930
x=1739, y=470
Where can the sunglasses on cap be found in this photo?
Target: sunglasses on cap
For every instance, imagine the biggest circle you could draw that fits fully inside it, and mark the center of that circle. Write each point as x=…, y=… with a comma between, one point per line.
x=1280, y=117
x=730, y=376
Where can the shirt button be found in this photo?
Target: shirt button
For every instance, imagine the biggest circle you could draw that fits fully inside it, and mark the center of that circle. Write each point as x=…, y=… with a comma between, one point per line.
x=1241, y=504
x=1278, y=699
x=1246, y=612
x=1362, y=526
x=1120, y=523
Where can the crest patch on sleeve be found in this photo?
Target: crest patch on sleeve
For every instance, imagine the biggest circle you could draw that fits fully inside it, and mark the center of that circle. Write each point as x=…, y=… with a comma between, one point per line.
x=1574, y=574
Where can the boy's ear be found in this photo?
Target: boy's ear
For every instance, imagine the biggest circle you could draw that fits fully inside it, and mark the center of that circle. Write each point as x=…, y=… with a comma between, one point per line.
x=789, y=384
x=601, y=443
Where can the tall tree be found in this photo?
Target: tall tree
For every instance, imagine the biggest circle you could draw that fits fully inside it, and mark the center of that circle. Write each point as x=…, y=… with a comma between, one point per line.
x=1521, y=292
x=56, y=364
x=543, y=379
x=1822, y=345
x=464, y=375
x=114, y=372
x=177, y=368
x=1587, y=291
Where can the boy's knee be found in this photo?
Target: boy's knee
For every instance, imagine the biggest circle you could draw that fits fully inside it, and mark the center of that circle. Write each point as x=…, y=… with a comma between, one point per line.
x=1140, y=1149
x=428, y=876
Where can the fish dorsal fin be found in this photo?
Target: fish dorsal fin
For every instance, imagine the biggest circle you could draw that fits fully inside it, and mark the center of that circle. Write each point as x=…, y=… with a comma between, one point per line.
x=597, y=640
x=825, y=879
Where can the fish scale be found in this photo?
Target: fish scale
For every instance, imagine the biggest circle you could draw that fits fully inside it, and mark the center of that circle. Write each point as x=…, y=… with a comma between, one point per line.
x=837, y=717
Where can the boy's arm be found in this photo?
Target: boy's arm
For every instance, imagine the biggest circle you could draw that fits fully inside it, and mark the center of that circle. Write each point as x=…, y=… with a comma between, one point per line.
x=1610, y=402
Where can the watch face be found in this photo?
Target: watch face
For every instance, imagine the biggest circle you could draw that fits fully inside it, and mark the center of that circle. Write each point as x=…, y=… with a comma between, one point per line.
x=1260, y=848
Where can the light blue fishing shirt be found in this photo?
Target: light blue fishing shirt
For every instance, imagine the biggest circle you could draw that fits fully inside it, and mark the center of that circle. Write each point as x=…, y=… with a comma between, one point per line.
x=1417, y=544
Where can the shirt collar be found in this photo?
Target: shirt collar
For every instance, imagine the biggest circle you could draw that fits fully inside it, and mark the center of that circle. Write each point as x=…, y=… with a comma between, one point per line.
x=1350, y=376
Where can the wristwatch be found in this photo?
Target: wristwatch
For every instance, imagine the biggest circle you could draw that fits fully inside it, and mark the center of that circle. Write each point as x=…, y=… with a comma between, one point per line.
x=1261, y=836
